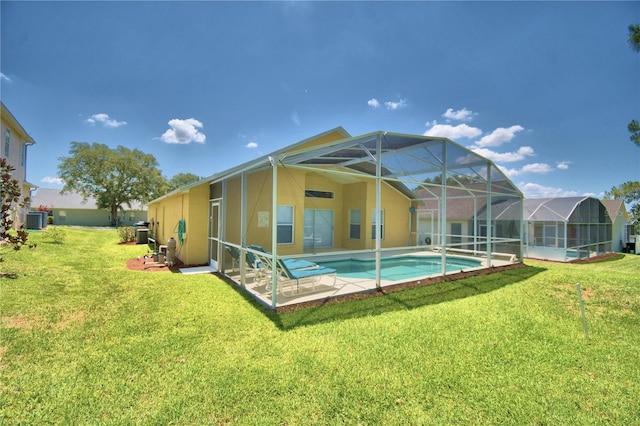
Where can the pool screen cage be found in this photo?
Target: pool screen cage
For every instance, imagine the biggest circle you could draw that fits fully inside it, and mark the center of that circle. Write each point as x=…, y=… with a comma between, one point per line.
x=567, y=228
x=423, y=193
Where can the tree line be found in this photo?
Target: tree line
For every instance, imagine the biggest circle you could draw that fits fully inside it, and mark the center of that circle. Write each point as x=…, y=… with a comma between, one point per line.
x=116, y=177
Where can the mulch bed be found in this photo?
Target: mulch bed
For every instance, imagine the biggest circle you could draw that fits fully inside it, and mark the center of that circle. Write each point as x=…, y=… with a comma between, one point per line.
x=142, y=263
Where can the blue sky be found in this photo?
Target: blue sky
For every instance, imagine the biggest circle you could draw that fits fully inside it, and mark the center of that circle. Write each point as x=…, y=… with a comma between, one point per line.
x=545, y=89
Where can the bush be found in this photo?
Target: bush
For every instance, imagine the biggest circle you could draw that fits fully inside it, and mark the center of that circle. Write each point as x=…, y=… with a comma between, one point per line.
x=55, y=235
x=127, y=234
x=49, y=220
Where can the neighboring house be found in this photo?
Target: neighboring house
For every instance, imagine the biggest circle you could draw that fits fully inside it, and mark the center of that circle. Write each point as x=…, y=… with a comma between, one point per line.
x=567, y=228
x=340, y=195
x=465, y=215
x=621, y=230
x=71, y=209
x=15, y=141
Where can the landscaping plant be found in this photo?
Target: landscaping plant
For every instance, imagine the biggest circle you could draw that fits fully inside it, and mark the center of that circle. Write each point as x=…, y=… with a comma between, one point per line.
x=126, y=234
x=11, y=202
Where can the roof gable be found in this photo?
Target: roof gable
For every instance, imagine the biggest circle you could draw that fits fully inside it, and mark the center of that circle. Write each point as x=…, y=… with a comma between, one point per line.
x=615, y=208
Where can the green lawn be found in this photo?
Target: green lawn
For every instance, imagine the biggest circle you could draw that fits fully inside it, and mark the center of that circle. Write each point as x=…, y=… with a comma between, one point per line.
x=86, y=341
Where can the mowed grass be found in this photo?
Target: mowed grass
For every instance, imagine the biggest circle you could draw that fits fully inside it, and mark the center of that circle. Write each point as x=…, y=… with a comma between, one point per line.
x=86, y=341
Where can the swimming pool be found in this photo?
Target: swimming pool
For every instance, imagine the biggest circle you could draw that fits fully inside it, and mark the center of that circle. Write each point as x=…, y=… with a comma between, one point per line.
x=400, y=268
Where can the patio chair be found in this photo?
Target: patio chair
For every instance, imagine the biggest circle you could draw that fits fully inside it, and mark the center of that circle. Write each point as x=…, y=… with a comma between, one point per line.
x=291, y=263
x=295, y=278
x=235, y=257
x=252, y=264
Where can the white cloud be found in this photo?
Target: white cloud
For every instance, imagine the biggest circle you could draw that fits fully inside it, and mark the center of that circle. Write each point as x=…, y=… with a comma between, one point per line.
x=184, y=132
x=510, y=173
x=105, y=120
x=593, y=194
x=452, y=132
x=540, y=168
x=4, y=78
x=373, y=102
x=396, y=105
x=252, y=145
x=52, y=180
x=295, y=117
x=563, y=165
x=499, y=136
x=533, y=190
x=461, y=115
x=505, y=157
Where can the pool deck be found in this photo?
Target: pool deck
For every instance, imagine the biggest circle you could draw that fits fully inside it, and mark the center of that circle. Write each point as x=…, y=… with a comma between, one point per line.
x=328, y=288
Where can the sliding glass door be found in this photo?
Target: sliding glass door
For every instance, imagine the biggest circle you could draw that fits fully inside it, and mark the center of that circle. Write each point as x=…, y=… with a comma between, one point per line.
x=318, y=228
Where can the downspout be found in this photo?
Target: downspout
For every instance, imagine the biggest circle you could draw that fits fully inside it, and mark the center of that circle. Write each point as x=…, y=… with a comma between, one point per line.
x=412, y=212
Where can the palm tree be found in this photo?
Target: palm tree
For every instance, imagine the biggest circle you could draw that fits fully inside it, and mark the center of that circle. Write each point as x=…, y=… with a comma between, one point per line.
x=634, y=37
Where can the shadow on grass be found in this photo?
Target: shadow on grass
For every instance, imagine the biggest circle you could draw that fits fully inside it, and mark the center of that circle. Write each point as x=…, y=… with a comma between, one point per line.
x=379, y=302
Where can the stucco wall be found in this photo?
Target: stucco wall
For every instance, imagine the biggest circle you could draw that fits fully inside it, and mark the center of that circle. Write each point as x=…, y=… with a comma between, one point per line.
x=354, y=199
x=396, y=216
x=95, y=217
x=197, y=226
x=292, y=184
x=81, y=217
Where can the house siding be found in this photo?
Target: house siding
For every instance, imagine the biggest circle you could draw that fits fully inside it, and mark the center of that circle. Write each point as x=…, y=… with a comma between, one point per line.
x=19, y=140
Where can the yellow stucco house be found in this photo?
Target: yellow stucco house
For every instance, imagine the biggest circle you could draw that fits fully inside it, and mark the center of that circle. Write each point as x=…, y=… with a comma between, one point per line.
x=328, y=198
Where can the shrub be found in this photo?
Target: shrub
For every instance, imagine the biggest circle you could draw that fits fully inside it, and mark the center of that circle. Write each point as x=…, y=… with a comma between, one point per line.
x=49, y=220
x=55, y=235
x=126, y=234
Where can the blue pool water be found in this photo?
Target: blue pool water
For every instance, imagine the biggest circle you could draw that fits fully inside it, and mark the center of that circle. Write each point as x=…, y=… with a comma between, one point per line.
x=400, y=268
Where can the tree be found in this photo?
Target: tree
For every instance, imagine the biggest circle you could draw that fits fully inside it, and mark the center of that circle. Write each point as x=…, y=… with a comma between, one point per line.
x=12, y=201
x=634, y=37
x=634, y=128
x=181, y=179
x=629, y=192
x=114, y=177
x=634, y=42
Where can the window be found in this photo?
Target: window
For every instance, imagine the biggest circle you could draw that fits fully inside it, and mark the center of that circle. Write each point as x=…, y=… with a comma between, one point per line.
x=7, y=142
x=456, y=233
x=285, y=225
x=215, y=191
x=62, y=215
x=354, y=224
x=23, y=154
x=373, y=225
x=318, y=194
x=550, y=235
x=132, y=216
